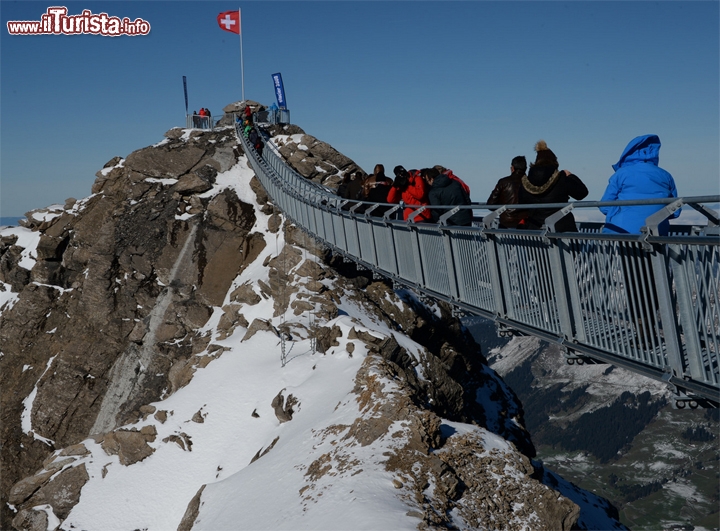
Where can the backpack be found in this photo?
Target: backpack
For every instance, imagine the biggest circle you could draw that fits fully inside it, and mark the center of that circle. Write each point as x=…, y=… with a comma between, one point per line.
x=465, y=187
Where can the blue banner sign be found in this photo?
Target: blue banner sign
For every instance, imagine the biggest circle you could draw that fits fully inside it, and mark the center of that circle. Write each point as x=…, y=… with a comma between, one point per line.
x=279, y=90
x=185, y=89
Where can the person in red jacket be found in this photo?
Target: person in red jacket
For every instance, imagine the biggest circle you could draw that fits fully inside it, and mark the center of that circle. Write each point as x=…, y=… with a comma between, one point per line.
x=410, y=188
x=203, y=118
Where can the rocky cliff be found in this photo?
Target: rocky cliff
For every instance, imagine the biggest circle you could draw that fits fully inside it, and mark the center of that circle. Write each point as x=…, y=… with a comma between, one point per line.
x=177, y=260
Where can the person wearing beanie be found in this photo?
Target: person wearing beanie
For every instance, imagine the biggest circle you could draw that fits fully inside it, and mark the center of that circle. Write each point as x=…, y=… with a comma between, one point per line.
x=545, y=183
x=507, y=191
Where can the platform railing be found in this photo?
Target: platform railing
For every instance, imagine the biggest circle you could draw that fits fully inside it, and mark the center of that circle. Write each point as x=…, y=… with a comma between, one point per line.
x=196, y=121
x=648, y=303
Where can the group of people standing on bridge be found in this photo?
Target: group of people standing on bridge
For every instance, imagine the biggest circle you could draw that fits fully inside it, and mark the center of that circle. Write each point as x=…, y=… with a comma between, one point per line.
x=637, y=176
x=202, y=119
x=544, y=183
x=425, y=187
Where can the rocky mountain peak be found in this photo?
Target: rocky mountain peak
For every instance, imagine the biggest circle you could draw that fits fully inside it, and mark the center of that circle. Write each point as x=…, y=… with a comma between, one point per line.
x=178, y=263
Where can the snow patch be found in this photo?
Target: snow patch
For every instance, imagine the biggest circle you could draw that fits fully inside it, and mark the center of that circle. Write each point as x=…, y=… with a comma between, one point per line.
x=26, y=417
x=7, y=297
x=28, y=240
x=166, y=182
x=105, y=171
x=48, y=213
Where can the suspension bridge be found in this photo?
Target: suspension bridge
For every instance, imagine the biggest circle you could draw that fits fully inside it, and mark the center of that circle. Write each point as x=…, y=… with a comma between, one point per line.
x=647, y=303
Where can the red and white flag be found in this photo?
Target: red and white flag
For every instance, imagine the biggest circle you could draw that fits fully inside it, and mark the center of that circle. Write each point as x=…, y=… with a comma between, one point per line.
x=230, y=21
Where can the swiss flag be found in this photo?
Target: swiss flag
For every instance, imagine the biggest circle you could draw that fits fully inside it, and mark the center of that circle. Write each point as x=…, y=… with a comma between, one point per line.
x=230, y=21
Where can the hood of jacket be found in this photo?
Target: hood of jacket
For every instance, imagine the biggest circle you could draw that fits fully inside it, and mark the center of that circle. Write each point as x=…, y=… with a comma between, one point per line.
x=441, y=181
x=644, y=148
x=540, y=179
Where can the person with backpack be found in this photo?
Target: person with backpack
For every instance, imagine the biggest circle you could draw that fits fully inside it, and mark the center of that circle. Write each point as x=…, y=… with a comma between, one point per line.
x=256, y=141
x=410, y=188
x=446, y=191
x=454, y=177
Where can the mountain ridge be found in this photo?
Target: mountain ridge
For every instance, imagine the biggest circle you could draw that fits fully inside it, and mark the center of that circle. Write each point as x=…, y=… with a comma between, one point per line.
x=158, y=291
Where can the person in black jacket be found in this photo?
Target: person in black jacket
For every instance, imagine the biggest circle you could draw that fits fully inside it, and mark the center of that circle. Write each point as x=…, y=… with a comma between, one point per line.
x=506, y=192
x=545, y=183
x=350, y=187
x=255, y=141
x=445, y=191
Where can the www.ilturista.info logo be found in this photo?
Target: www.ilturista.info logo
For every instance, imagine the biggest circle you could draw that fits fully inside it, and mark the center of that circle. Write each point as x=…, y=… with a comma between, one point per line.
x=56, y=21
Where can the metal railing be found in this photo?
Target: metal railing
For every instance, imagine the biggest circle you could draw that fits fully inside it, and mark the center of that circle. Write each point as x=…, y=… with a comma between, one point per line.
x=648, y=303
x=195, y=121
x=273, y=116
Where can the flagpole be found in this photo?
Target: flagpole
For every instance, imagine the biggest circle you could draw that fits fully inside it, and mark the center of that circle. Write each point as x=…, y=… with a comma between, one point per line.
x=242, y=66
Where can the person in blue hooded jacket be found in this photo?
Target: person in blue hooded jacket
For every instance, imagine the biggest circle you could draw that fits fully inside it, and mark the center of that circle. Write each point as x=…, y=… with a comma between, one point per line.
x=637, y=176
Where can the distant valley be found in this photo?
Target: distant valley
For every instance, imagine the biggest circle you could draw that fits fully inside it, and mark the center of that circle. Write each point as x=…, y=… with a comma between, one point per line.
x=613, y=433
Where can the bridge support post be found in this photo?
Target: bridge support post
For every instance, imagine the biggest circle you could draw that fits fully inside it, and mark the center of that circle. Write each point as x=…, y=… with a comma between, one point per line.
x=417, y=257
x=491, y=222
x=390, y=229
x=667, y=314
x=658, y=262
x=450, y=261
x=560, y=276
x=687, y=314
x=561, y=269
x=574, y=293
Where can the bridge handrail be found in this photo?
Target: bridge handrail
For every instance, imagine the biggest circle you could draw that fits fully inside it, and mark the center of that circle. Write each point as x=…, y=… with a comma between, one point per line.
x=645, y=302
x=331, y=194
x=206, y=122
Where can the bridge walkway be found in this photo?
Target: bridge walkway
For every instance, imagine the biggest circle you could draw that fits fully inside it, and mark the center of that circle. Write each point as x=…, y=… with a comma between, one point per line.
x=647, y=303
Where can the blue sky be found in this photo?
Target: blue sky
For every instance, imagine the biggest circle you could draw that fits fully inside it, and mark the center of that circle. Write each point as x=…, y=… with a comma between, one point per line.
x=468, y=85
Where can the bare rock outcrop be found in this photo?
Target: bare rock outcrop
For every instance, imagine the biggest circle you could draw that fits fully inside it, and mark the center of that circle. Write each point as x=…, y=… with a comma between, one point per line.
x=130, y=446
x=313, y=158
x=121, y=282
x=57, y=486
x=191, y=512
